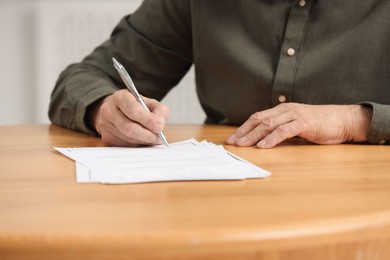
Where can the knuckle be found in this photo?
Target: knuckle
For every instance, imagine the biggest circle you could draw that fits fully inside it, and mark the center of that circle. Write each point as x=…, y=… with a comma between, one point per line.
x=116, y=95
x=129, y=130
x=255, y=116
x=284, y=130
x=148, y=122
x=290, y=130
x=152, y=100
x=133, y=111
x=268, y=123
x=105, y=111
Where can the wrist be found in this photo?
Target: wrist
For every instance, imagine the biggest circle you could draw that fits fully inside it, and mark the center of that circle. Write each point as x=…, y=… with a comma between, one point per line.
x=362, y=116
x=92, y=114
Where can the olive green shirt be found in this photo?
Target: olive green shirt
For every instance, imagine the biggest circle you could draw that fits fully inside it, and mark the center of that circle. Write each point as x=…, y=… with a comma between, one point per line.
x=249, y=55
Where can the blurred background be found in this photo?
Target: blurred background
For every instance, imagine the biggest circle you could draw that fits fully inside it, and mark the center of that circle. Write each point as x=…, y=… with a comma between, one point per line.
x=39, y=38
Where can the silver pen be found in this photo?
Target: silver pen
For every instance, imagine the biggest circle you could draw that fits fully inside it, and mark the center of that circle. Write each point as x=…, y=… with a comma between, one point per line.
x=130, y=85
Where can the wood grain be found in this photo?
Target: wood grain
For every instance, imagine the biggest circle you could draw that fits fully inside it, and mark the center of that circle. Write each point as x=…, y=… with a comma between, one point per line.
x=321, y=202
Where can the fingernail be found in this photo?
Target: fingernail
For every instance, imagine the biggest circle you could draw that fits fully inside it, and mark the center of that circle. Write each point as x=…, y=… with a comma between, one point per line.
x=231, y=139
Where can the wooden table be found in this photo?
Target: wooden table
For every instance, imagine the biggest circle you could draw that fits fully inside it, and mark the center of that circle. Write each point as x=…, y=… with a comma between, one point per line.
x=321, y=202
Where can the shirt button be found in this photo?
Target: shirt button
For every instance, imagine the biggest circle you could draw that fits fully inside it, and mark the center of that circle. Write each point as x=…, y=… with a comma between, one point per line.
x=382, y=141
x=282, y=98
x=302, y=3
x=290, y=52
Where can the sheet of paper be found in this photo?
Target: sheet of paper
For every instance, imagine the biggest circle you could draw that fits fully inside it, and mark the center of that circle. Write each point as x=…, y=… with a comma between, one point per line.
x=187, y=160
x=83, y=174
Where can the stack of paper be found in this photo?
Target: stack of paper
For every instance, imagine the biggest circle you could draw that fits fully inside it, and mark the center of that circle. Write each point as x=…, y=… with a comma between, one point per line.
x=182, y=161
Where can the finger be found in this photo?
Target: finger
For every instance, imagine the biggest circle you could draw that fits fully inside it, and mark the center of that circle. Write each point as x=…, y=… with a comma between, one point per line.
x=117, y=129
x=112, y=137
x=281, y=133
x=132, y=109
x=109, y=134
x=133, y=132
x=245, y=128
x=263, y=128
x=158, y=108
x=253, y=121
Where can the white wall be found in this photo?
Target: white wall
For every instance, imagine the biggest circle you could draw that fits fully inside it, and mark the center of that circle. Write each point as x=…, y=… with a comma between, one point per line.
x=40, y=38
x=16, y=62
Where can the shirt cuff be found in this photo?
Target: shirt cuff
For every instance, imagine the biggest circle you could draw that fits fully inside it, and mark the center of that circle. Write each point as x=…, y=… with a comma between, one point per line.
x=88, y=99
x=379, y=131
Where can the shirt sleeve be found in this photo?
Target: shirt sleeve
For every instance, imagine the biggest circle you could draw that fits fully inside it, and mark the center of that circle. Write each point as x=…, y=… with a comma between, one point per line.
x=153, y=44
x=379, y=131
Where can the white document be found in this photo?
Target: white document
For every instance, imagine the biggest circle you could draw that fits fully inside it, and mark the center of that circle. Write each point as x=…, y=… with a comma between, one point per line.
x=182, y=161
x=84, y=175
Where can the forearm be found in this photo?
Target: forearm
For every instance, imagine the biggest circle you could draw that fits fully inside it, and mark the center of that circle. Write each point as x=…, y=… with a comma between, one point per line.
x=78, y=87
x=139, y=50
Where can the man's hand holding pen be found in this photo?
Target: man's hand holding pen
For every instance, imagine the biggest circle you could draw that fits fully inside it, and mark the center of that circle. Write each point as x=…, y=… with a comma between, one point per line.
x=122, y=121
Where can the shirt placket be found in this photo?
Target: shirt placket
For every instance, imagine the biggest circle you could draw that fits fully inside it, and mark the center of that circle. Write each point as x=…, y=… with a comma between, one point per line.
x=290, y=52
